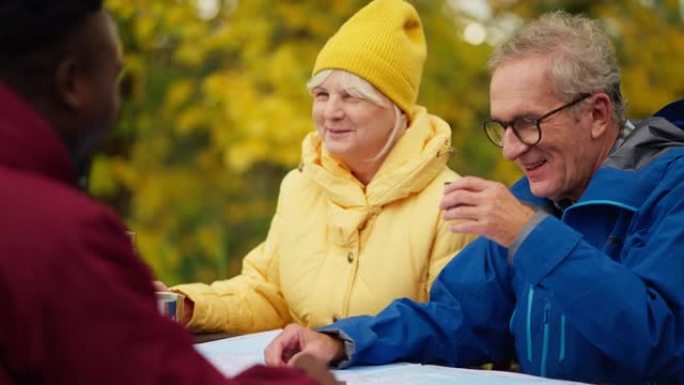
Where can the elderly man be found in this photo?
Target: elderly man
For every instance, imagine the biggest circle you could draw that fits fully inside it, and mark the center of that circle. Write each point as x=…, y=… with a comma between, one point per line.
x=77, y=304
x=579, y=270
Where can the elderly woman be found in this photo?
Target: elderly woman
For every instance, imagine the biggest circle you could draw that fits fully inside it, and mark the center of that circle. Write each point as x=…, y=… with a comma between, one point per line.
x=358, y=224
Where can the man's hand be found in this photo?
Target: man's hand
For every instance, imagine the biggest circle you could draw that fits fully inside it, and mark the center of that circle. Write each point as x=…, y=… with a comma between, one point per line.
x=486, y=208
x=296, y=341
x=314, y=368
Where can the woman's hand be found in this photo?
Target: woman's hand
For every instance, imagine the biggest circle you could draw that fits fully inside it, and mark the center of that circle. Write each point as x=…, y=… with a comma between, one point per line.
x=188, y=305
x=159, y=286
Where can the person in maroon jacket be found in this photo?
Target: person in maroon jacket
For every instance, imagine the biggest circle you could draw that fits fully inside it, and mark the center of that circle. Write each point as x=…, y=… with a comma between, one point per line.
x=76, y=304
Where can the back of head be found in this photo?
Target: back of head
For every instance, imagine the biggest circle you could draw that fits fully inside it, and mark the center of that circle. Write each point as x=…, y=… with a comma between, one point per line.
x=32, y=31
x=61, y=57
x=384, y=44
x=581, y=56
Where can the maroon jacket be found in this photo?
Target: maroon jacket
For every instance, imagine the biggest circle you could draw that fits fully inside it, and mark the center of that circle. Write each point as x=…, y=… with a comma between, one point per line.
x=76, y=305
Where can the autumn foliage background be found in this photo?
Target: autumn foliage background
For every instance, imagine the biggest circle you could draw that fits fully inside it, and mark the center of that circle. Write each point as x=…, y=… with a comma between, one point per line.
x=215, y=106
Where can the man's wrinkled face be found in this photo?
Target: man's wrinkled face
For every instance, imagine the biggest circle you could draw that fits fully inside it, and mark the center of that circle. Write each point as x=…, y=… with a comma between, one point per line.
x=562, y=163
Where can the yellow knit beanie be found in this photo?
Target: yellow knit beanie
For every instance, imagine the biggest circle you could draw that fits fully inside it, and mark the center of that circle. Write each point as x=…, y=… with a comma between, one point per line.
x=384, y=44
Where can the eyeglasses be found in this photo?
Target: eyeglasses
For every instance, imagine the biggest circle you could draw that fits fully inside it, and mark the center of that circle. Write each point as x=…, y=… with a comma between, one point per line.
x=528, y=130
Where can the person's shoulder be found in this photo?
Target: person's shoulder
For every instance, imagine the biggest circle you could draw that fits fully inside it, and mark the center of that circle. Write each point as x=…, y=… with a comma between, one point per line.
x=48, y=226
x=296, y=181
x=434, y=189
x=45, y=204
x=672, y=163
x=297, y=189
x=675, y=155
x=293, y=176
x=445, y=176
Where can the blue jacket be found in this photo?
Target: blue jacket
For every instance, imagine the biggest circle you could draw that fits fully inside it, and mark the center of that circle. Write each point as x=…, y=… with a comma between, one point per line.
x=593, y=294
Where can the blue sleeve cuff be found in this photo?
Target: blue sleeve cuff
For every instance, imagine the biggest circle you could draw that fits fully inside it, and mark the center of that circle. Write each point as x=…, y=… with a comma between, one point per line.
x=349, y=345
x=536, y=219
x=544, y=247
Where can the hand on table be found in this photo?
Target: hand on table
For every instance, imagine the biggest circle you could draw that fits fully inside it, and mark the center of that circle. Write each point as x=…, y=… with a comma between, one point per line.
x=296, y=341
x=486, y=208
x=314, y=368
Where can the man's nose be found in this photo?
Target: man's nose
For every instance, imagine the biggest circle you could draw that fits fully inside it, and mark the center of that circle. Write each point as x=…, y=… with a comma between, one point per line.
x=512, y=146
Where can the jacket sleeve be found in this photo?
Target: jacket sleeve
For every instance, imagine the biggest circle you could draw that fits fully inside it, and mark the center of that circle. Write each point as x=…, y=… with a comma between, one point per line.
x=464, y=323
x=88, y=315
x=262, y=375
x=249, y=302
x=633, y=305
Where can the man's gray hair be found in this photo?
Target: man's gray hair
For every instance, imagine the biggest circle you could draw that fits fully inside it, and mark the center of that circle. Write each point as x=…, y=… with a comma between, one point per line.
x=581, y=56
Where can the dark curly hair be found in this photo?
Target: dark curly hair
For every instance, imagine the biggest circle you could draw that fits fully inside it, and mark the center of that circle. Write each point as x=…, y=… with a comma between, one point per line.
x=34, y=26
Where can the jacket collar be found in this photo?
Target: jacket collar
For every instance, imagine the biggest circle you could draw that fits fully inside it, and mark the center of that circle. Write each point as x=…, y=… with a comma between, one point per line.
x=611, y=186
x=649, y=139
x=28, y=143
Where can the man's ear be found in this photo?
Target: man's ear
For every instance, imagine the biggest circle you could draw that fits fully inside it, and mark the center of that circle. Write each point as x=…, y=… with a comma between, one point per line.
x=601, y=114
x=68, y=85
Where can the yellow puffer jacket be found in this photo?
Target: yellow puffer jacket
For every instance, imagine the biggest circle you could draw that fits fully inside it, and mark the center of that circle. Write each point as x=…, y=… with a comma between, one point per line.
x=337, y=248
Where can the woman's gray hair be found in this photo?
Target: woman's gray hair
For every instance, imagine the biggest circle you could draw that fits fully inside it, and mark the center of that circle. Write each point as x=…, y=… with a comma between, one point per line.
x=359, y=88
x=581, y=56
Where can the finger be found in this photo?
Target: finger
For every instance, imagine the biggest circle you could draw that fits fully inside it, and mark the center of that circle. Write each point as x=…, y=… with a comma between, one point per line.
x=273, y=354
x=459, y=197
x=313, y=367
x=289, y=352
x=467, y=227
x=159, y=286
x=287, y=344
x=275, y=351
x=468, y=183
x=304, y=361
x=462, y=212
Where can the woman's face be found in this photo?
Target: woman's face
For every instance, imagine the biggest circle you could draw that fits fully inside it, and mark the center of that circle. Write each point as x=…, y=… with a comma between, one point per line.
x=353, y=129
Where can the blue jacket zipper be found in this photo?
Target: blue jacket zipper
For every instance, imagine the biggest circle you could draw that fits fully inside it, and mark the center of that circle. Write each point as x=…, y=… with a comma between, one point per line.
x=545, y=343
x=530, y=297
x=561, y=355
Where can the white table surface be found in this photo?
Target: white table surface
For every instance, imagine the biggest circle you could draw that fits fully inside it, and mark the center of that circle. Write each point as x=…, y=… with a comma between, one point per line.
x=233, y=355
